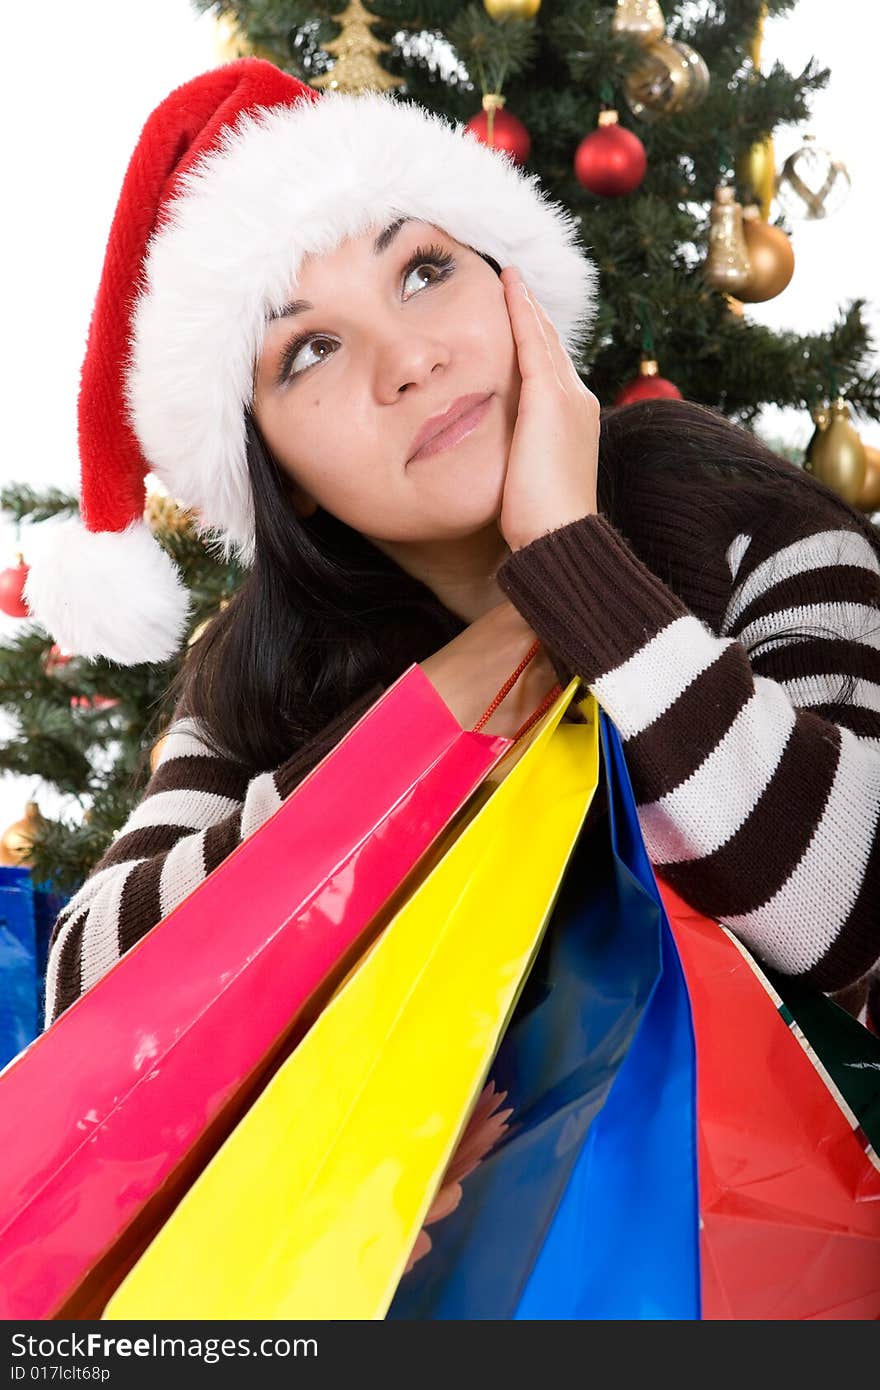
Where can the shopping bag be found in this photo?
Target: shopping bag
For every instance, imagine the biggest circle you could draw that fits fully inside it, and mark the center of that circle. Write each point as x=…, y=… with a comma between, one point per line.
x=587, y=1206
x=106, y=1117
x=312, y=1206
x=19, y=968
x=789, y=1176
x=776, y=1120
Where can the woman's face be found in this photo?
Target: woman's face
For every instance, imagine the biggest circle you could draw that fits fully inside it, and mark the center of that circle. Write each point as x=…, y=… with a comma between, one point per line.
x=391, y=338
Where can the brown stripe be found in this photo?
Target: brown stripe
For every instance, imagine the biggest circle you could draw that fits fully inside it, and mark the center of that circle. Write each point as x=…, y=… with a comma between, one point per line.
x=142, y=843
x=846, y=584
x=864, y=722
x=820, y=656
x=140, y=906
x=192, y=773
x=68, y=978
x=853, y=997
x=856, y=948
x=666, y=753
x=754, y=863
x=220, y=840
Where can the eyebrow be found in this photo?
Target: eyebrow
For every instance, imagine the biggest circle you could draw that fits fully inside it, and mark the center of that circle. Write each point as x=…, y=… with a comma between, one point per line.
x=382, y=242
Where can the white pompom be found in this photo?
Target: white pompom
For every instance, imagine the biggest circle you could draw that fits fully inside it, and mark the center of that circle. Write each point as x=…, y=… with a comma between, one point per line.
x=111, y=594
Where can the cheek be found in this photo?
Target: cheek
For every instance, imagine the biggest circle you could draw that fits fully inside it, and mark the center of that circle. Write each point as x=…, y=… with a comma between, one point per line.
x=325, y=454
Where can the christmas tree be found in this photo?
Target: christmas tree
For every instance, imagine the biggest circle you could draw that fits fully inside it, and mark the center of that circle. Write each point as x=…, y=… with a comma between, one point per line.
x=654, y=127
x=90, y=729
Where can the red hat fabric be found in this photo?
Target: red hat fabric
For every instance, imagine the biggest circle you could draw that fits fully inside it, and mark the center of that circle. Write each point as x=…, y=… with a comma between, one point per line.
x=237, y=175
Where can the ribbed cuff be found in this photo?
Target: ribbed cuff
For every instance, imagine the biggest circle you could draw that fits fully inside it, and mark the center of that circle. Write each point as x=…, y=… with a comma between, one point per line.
x=588, y=597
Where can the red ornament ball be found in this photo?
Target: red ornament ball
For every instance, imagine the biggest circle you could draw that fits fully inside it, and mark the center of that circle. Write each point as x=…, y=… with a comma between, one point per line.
x=610, y=161
x=648, y=386
x=95, y=702
x=12, y=582
x=508, y=133
x=55, y=659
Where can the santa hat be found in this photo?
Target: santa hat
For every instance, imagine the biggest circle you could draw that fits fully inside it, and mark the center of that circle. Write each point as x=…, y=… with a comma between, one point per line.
x=238, y=175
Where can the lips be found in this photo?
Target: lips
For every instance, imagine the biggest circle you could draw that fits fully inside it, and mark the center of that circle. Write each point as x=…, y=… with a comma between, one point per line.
x=438, y=423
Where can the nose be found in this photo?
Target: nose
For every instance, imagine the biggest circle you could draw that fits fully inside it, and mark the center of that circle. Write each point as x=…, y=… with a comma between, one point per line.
x=406, y=356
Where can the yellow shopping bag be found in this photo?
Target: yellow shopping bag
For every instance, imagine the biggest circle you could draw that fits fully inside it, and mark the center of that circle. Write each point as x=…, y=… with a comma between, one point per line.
x=311, y=1207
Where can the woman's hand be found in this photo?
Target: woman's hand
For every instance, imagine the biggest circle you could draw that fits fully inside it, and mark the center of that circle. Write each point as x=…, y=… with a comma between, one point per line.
x=552, y=468
x=470, y=670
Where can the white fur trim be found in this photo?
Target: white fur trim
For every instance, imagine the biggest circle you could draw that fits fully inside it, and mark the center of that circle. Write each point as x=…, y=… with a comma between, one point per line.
x=111, y=594
x=287, y=182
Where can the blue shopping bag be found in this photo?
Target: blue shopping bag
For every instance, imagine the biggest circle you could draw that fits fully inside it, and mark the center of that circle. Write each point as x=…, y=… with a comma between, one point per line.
x=19, y=973
x=587, y=1207
x=27, y=913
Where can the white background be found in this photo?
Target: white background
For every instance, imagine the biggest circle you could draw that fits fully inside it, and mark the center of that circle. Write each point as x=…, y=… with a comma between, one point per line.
x=81, y=79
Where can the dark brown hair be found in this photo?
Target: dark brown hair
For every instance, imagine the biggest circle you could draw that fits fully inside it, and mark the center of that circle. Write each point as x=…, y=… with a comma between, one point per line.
x=323, y=615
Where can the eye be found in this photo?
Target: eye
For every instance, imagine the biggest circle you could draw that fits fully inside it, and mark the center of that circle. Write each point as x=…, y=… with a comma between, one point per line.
x=441, y=262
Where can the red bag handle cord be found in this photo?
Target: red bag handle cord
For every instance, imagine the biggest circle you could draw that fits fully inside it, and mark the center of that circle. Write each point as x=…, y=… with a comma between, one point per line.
x=508, y=686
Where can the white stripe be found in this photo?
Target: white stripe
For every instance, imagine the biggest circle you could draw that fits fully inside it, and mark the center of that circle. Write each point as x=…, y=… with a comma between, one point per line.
x=650, y=681
x=735, y=552
x=87, y=891
x=97, y=885
x=839, y=547
x=190, y=808
x=181, y=744
x=100, y=940
x=702, y=814
x=795, y=928
x=854, y=622
x=183, y=870
x=261, y=801
x=828, y=689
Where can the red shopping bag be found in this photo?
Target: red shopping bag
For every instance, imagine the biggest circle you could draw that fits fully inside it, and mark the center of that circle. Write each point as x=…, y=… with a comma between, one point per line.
x=109, y=1115
x=789, y=1181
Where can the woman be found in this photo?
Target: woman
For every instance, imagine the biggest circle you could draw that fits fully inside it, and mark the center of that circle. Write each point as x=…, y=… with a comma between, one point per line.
x=721, y=605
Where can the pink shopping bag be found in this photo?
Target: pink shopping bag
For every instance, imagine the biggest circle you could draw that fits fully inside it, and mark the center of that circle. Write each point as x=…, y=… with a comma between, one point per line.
x=108, y=1117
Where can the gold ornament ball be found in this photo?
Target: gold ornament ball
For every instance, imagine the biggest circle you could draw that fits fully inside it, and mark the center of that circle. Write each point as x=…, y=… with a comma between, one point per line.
x=837, y=455
x=156, y=751
x=17, y=840
x=812, y=183
x=669, y=77
x=756, y=169
x=771, y=259
x=821, y=417
x=512, y=9
x=869, y=497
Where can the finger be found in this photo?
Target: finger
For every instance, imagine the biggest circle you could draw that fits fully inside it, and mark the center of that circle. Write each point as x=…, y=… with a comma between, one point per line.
x=533, y=349
x=565, y=368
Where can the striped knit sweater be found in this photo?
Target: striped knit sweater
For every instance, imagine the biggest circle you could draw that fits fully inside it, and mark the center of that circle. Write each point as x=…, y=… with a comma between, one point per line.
x=733, y=636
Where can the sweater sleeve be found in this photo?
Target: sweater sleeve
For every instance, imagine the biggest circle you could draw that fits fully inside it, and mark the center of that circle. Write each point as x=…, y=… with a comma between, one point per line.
x=194, y=811
x=754, y=752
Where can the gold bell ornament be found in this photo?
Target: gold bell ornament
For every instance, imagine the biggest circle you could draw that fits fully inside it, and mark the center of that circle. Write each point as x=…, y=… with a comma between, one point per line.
x=641, y=20
x=17, y=840
x=771, y=259
x=727, y=261
x=836, y=454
